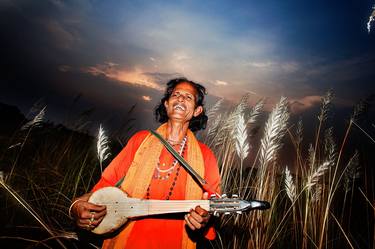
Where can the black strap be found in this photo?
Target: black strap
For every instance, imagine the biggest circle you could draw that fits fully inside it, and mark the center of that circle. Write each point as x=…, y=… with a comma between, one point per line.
x=179, y=158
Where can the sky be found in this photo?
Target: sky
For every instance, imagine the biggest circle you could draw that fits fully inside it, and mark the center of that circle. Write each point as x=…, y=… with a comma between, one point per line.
x=106, y=56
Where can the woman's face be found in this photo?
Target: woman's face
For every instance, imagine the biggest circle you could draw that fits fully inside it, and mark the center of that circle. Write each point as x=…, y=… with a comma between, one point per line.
x=181, y=104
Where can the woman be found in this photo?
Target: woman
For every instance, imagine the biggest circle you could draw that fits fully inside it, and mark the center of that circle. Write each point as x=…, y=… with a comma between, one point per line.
x=151, y=172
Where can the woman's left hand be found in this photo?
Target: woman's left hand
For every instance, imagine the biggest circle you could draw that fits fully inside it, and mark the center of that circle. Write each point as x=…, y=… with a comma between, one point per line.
x=198, y=218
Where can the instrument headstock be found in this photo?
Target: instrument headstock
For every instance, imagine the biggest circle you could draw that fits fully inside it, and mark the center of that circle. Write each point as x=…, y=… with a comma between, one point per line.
x=226, y=205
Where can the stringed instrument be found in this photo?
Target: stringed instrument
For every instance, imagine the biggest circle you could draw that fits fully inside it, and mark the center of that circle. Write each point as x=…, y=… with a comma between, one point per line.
x=120, y=207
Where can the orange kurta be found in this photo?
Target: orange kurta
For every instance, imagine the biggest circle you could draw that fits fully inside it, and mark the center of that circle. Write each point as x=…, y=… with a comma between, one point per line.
x=158, y=232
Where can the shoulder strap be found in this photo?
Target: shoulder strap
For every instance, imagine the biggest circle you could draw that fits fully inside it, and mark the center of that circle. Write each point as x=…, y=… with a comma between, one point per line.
x=179, y=158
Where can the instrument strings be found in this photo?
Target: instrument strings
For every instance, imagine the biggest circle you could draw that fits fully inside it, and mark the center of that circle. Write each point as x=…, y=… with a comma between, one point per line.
x=156, y=206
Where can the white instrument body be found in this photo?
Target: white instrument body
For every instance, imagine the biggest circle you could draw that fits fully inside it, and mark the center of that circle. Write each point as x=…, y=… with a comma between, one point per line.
x=120, y=207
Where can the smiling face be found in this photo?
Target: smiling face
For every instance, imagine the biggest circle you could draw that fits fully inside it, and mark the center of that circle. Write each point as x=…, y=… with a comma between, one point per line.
x=181, y=105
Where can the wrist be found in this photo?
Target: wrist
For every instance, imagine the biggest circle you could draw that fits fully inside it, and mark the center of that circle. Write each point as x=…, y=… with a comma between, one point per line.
x=72, y=205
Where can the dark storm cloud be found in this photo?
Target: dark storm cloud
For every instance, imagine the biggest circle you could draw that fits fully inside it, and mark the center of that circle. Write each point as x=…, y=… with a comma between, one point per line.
x=117, y=54
x=42, y=52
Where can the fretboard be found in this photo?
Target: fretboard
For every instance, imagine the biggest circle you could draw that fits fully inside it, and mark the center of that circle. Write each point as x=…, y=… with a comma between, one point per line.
x=152, y=207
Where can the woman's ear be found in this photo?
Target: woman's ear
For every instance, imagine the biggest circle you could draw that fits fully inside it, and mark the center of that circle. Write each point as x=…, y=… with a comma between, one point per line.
x=198, y=110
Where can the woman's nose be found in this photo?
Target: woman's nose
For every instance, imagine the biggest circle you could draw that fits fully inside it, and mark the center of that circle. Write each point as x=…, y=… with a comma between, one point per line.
x=181, y=98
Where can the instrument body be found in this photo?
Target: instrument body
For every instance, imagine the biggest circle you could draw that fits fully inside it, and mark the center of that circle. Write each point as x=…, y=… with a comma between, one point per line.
x=120, y=207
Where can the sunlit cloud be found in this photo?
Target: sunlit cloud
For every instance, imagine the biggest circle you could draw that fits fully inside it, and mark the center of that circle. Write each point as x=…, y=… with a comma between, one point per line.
x=261, y=64
x=275, y=66
x=200, y=54
x=146, y=98
x=304, y=103
x=112, y=71
x=221, y=83
x=180, y=56
x=149, y=50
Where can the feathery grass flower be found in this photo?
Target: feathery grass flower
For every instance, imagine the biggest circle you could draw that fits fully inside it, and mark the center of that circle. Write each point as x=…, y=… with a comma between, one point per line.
x=240, y=136
x=102, y=147
x=290, y=187
x=36, y=121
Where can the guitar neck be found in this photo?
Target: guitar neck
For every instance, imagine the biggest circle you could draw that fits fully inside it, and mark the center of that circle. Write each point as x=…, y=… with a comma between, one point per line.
x=153, y=207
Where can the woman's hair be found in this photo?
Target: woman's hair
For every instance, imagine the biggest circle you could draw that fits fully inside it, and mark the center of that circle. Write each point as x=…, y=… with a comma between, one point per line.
x=196, y=123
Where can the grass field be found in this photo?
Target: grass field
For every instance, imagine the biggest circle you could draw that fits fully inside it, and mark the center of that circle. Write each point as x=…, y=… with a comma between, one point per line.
x=324, y=199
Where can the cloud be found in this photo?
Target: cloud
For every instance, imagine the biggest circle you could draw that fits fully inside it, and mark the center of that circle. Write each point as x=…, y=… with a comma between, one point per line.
x=304, y=103
x=221, y=83
x=195, y=44
x=150, y=49
x=136, y=76
x=146, y=98
x=275, y=66
x=64, y=68
x=63, y=36
x=208, y=48
x=266, y=64
x=161, y=78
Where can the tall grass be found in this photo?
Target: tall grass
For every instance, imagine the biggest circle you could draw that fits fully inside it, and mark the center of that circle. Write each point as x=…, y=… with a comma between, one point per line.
x=313, y=199
x=311, y=203
x=50, y=166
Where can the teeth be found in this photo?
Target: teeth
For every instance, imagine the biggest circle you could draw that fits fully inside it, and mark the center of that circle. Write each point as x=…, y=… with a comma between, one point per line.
x=179, y=107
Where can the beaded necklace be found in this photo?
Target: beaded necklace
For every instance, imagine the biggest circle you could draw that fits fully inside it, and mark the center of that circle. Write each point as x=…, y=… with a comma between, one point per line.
x=164, y=174
x=169, y=170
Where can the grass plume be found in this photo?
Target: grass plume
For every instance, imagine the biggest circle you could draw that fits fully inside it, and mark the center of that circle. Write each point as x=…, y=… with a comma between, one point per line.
x=102, y=147
x=290, y=187
x=36, y=121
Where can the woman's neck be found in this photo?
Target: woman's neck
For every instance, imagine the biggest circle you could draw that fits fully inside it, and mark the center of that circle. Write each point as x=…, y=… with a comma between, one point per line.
x=176, y=131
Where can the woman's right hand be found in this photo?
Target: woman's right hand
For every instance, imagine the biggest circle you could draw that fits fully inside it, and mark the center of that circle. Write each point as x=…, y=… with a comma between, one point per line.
x=87, y=215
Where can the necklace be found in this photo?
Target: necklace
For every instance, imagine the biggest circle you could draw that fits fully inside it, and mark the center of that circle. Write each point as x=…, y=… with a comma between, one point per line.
x=170, y=190
x=164, y=174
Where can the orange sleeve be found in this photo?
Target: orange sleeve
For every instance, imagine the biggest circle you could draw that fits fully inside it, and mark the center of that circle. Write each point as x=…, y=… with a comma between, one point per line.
x=212, y=176
x=121, y=163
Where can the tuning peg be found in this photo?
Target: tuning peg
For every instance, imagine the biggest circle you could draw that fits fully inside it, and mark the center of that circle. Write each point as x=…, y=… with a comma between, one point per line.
x=212, y=196
x=226, y=213
x=234, y=195
x=224, y=196
x=239, y=212
x=216, y=214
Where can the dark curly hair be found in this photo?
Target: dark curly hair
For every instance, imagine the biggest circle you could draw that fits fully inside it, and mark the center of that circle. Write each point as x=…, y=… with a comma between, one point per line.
x=196, y=123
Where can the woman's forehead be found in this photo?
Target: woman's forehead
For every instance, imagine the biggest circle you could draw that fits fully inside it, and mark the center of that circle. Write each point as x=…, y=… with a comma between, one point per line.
x=186, y=87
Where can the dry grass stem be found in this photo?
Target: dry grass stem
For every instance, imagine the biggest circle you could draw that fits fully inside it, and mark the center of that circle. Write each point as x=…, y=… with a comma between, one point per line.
x=213, y=128
x=102, y=147
x=352, y=171
x=212, y=112
x=299, y=133
x=36, y=121
x=274, y=131
x=325, y=105
x=290, y=187
x=317, y=174
x=370, y=20
x=368, y=135
x=24, y=204
x=240, y=136
x=255, y=112
x=317, y=194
